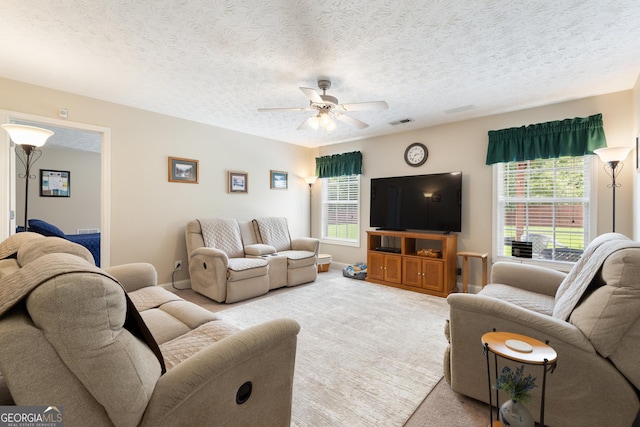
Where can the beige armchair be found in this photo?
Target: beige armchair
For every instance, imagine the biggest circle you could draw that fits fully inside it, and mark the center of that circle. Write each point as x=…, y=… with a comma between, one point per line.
x=590, y=316
x=217, y=264
x=71, y=337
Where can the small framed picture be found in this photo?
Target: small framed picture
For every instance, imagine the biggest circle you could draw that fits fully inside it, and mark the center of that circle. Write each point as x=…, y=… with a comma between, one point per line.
x=183, y=170
x=55, y=183
x=238, y=182
x=279, y=180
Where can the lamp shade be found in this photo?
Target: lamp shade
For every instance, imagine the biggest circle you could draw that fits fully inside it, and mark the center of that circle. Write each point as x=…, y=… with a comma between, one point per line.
x=612, y=154
x=27, y=135
x=311, y=179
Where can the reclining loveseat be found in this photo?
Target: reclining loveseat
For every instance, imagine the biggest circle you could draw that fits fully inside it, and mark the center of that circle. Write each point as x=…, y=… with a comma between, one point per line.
x=232, y=260
x=590, y=317
x=109, y=347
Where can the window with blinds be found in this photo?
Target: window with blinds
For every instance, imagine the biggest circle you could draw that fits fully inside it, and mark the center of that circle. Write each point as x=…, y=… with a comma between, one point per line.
x=545, y=202
x=341, y=208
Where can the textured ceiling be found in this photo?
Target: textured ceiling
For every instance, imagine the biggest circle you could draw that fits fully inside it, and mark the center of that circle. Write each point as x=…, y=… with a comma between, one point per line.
x=216, y=62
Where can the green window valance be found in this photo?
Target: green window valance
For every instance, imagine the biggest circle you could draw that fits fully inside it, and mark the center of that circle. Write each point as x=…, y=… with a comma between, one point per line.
x=569, y=137
x=339, y=165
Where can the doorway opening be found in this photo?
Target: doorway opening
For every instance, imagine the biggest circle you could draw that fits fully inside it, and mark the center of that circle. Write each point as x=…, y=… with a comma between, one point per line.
x=74, y=146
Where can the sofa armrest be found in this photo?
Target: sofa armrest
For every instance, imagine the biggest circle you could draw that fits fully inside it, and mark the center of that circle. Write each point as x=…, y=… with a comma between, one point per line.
x=202, y=389
x=305, y=244
x=528, y=277
x=510, y=317
x=259, y=249
x=210, y=253
x=134, y=276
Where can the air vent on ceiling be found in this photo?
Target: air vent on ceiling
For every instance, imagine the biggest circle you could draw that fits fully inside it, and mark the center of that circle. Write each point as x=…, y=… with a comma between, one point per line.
x=459, y=109
x=401, y=122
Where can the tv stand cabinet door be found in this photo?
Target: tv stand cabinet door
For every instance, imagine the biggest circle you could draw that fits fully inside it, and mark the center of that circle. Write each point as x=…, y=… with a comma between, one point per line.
x=412, y=268
x=433, y=275
x=375, y=266
x=393, y=268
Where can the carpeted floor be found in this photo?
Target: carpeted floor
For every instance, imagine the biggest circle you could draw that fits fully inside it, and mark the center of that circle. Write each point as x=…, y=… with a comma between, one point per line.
x=368, y=355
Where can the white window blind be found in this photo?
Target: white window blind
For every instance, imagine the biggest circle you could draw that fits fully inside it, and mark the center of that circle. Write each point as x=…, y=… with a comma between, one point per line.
x=545, y=202
x=341, y=208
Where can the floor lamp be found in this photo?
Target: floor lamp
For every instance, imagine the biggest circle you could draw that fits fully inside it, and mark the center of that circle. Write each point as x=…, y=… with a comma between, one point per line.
x=30, y=138
x=310, y=180
x=612, y=158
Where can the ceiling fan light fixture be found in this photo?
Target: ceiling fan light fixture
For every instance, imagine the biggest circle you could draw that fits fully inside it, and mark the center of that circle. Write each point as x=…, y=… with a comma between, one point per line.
x=325, y=120
x=331, y=126
x=314, y=122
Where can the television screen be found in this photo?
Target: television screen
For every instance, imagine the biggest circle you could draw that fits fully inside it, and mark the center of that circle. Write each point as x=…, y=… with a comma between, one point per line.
x=419, y=202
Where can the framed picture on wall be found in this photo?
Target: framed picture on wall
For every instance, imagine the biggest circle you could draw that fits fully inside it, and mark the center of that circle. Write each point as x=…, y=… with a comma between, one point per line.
x=183, y=170
x=55, y=183
x=238, y=182
x=279, y=180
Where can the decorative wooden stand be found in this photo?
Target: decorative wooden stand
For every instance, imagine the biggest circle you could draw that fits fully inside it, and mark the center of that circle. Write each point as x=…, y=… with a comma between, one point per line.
x=401, y=266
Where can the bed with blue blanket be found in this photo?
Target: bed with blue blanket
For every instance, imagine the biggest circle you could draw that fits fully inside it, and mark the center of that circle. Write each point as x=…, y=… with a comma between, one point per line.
x=90, y=241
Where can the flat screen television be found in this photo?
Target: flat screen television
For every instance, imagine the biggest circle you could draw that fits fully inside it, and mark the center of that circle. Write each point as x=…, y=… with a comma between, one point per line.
x=419, y=202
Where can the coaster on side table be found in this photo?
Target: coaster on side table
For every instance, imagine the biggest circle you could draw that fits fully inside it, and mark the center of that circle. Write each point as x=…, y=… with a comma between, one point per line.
x=517, y=345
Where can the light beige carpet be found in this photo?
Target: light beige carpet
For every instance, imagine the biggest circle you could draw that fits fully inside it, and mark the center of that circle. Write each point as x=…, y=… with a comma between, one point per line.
x=367, y=354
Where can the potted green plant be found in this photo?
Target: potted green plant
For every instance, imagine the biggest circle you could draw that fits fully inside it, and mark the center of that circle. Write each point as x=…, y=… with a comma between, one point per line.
x=518, y=387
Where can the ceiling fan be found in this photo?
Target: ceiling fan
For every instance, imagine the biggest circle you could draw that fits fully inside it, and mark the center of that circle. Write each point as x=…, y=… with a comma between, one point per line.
x=327, y=108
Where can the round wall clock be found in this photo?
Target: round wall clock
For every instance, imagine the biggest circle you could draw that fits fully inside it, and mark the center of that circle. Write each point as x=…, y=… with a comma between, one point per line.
x=416, y=154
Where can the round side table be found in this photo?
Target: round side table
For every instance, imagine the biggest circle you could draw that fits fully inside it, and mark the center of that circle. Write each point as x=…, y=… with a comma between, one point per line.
x=519, y=348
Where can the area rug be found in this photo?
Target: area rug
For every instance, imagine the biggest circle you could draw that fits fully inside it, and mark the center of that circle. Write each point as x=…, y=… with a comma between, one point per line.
x=367, y=354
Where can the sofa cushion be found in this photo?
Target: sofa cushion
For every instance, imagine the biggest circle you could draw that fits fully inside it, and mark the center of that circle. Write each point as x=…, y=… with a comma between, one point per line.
x=607, y=314
x=273, y=231
x=10, y=246
x=188, y=344
x=297, y=259
x=163, y=326
x=223, y=234
x=167, y=315
x=42, y=227
x=37, y=248
x=526, y=299
x=246, y=268
x=152, y=297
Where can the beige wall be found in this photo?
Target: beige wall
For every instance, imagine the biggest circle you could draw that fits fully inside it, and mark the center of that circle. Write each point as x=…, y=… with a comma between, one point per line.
x=82, y=209
x=149, y=213
x=463, y=146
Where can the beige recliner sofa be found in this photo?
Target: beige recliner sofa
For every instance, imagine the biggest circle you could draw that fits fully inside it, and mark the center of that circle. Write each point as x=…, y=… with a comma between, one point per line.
x=71, y=337
x=590, y=316
x=232, y=260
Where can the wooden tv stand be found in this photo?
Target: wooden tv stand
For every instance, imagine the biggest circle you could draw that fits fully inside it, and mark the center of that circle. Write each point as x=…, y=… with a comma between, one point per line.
x=405, y=269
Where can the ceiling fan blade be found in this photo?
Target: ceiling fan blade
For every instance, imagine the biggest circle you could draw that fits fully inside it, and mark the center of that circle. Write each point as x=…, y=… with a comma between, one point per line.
x=266, y=110
x=350, y=120
x=366, y=106
x=312, y=94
